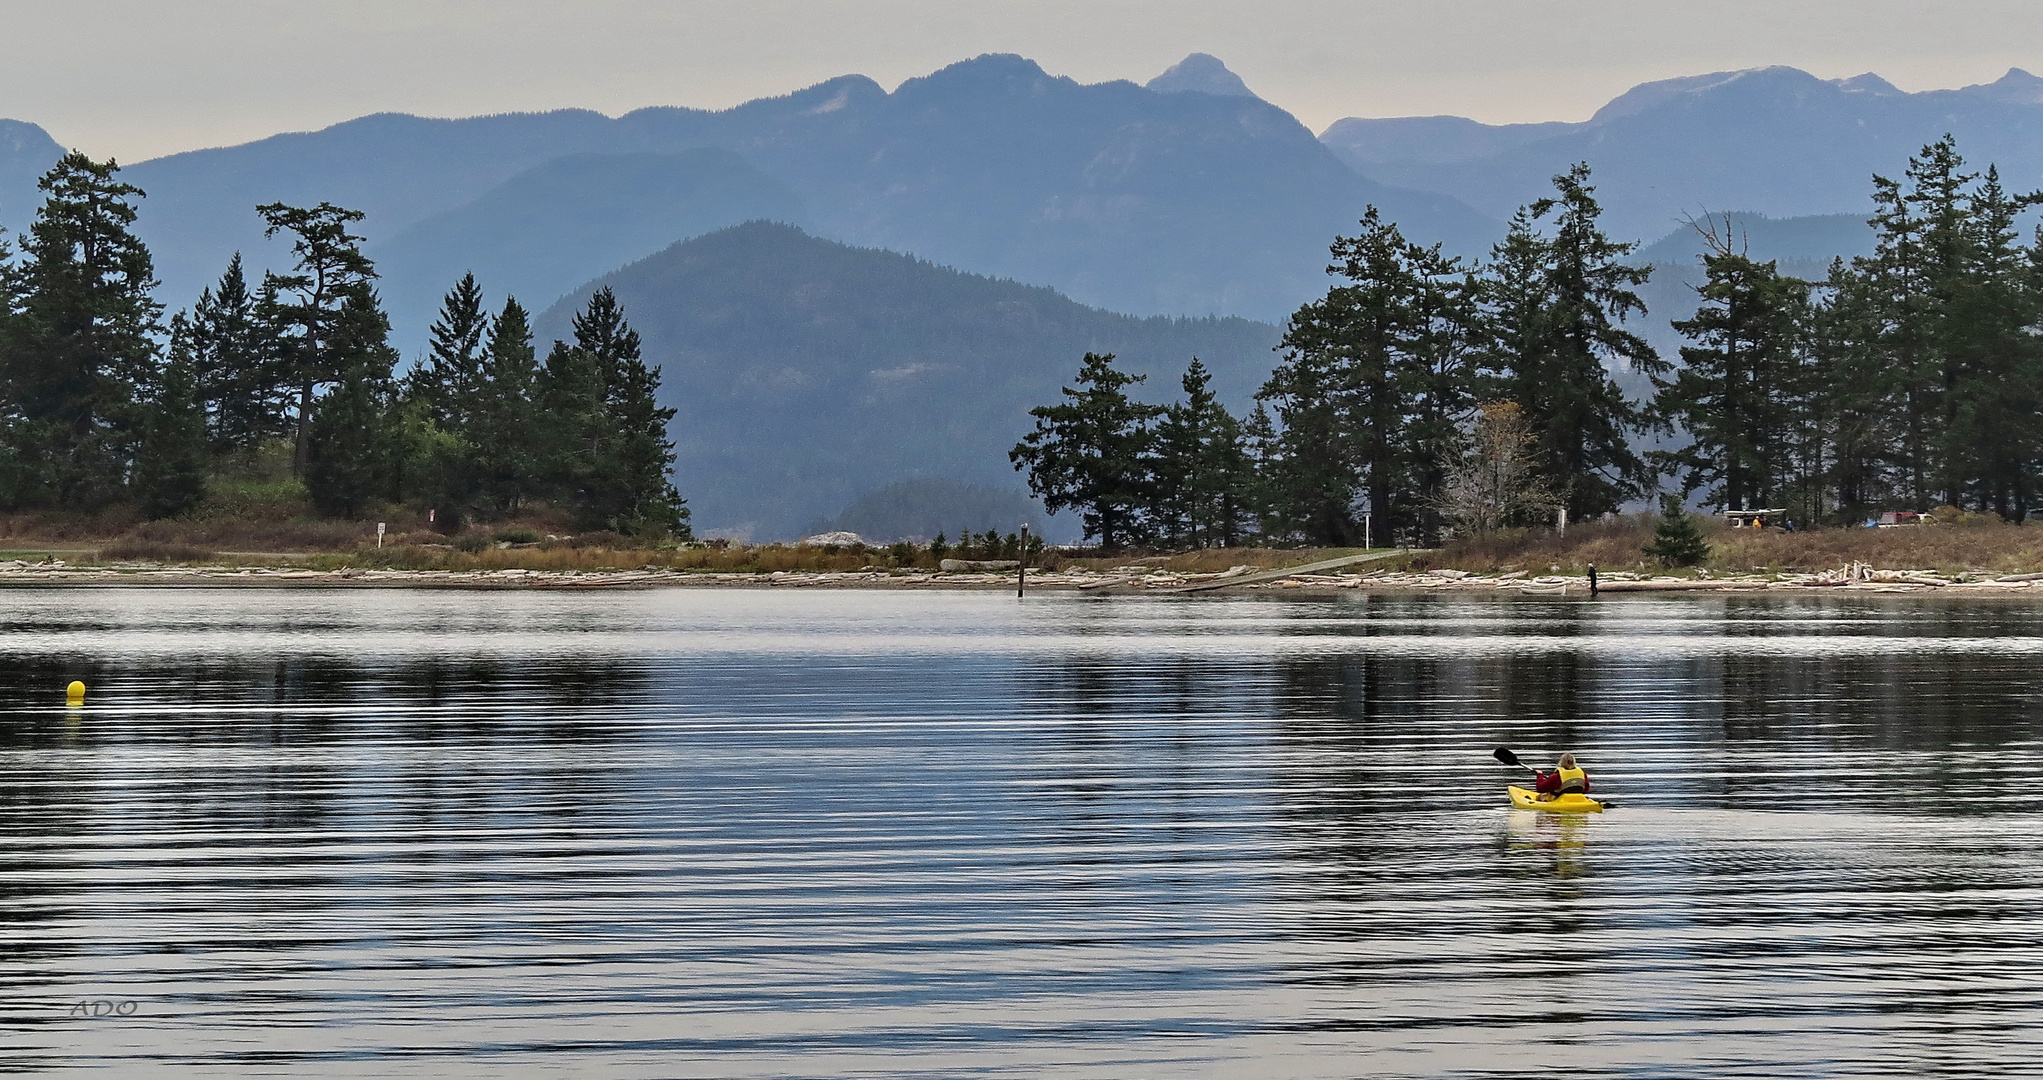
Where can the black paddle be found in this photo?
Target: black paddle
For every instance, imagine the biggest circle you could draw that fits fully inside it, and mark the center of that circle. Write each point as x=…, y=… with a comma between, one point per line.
x=1509, y=758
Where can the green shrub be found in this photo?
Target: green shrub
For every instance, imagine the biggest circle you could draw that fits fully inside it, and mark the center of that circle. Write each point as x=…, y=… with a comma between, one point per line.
x=518, y=534
x=1676, y=540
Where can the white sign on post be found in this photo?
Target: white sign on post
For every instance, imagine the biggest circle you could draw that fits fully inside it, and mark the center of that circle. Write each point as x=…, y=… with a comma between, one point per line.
x=379, y=534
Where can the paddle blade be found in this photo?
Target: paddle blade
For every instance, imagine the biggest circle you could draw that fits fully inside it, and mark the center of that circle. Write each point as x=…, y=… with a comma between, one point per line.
x=1508, y=758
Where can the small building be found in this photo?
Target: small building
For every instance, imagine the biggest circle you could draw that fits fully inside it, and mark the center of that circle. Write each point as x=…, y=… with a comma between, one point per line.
x=1896, y=519
x=1756, y=519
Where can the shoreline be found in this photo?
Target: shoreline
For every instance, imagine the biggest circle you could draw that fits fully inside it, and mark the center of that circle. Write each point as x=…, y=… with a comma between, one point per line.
x=1134, y=580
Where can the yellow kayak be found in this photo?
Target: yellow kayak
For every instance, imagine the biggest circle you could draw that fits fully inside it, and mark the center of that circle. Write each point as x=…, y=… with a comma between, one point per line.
x=1527, y=799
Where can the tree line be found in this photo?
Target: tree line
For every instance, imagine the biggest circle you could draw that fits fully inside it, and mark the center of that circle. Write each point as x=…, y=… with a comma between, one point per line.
x=1423, y=395
x=104, y=402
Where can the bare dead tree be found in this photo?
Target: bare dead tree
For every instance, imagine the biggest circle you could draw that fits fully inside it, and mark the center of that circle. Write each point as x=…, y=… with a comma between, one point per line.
x=1497, y=479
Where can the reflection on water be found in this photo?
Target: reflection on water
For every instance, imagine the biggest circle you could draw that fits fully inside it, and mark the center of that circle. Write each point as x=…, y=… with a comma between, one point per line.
x=698, y=833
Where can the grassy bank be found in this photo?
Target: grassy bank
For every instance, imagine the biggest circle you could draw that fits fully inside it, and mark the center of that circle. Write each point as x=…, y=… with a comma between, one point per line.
x=1972, y=543
x=266, y=522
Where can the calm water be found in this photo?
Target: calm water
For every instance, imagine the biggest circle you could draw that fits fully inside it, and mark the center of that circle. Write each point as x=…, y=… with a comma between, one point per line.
x=831, y=834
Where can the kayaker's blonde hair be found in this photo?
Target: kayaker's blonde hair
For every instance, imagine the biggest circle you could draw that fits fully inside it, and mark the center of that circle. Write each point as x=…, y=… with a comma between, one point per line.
x=1567, y=761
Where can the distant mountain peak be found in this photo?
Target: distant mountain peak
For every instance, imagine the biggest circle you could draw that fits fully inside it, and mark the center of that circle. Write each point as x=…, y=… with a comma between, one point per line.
x=1650, y=95
x=22, y=137
x=987, y=72
x=2016, y=86
x=1868, y=83
x=1202, y=74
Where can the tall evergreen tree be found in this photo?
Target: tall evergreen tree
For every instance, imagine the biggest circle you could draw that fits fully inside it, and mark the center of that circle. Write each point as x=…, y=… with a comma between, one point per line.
x=1092, y=452
x=353, y=441
x=1990, y=441
x=83, y=346
x=451, y=376
x=234, y=366
x=601, y=331
x=306, y=306
x=1927, y=361
x=1373, y=387
x=1311, y=476
x=573, y=431
x=1850, y=431
x=170, y=467
x=608, y=432
x=1201, y=468
x=1554, y=307
x=641, y=500
x=1264, y=449
x=1740, y=392
x=501, y=430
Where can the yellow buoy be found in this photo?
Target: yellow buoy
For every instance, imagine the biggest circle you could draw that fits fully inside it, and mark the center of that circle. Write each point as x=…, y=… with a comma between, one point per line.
x=75, y=692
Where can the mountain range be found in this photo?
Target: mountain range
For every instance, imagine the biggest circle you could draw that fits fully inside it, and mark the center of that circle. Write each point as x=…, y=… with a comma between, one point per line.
x=1187, y=195
x=1149, y=201
x=946, y=250
x=1775, y=141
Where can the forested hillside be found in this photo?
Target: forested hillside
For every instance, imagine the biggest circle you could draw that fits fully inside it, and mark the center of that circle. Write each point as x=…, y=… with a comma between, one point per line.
x=806, y=373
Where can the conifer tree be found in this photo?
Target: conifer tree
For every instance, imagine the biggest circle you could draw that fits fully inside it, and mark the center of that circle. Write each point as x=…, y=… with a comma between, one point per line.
x=305, y=307
x=83, y=347
x=601, y=401
x=573, y=431
x=1676, y=540
x=1849, y=427
x=1092, y=452
x=1310, y=474
x=641, y=500
x=505, y=418
x=601, y=331
x=452, y=373
x=1990, y=441
x=1201, y=467
x=353, y=442
x=442, y=466
x=234, y=369
x=1262, y=448
x=1554, y=305
x=170, y=467
x=1373, y=387
x=1741, y=390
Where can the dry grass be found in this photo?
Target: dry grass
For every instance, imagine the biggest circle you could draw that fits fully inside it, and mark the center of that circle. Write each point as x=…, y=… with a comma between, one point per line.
x=140, y=550
x=1974, y=543
x=1612, y=544
x=1208, y=561
x=296, y=534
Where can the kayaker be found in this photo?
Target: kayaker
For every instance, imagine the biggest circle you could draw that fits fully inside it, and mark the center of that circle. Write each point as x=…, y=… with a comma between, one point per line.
x=1566, y=778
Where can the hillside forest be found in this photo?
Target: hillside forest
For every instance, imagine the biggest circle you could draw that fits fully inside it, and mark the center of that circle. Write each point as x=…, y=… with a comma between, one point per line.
x=1423, y=394
x=104, y=402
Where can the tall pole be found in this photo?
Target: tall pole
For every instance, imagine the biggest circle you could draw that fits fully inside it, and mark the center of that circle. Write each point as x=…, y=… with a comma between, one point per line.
x=1021, y=567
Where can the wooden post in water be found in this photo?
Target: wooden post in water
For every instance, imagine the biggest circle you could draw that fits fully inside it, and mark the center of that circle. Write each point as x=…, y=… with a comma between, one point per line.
x=1021, y=565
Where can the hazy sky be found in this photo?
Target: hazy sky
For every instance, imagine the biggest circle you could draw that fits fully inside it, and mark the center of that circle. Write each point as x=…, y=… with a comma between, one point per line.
x=139, y=78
